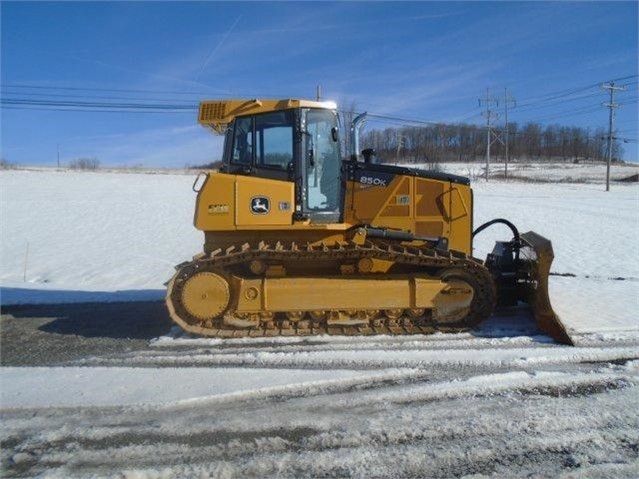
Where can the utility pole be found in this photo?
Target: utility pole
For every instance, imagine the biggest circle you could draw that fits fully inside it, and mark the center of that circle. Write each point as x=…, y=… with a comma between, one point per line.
x=507, y=99
x=611, y=105
x=58, y=155
x=319, y=92
x=488, y=114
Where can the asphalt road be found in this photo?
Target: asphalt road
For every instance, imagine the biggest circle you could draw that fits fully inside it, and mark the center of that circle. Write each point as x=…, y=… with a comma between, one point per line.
x=55, y=335
x=569, y=418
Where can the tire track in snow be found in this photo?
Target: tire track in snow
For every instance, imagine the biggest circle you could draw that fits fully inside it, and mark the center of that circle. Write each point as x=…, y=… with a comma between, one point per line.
x=511, y=432
x=373, y=358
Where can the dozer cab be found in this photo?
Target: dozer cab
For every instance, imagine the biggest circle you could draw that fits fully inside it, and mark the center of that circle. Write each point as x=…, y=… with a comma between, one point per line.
x=299, y=241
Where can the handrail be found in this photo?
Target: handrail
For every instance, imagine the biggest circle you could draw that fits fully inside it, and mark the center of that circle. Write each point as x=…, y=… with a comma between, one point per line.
x=201, y=185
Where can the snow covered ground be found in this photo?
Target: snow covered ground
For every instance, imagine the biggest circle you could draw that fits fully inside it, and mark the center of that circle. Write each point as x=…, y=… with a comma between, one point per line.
x=564, y=172
x=69, y=236
x=501, y=401
x=500, y=408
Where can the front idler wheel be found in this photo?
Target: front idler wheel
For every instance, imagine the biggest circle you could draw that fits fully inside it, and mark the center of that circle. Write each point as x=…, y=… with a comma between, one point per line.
x=461, y=301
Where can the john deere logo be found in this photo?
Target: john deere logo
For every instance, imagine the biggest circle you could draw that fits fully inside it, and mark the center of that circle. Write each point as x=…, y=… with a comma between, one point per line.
x=260, y=205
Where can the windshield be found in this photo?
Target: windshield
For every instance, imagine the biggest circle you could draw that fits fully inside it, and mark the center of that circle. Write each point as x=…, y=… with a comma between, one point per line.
x=323, y=162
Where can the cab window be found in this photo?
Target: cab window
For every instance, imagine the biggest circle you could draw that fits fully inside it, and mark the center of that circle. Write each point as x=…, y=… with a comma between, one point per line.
x=323, y=172
x=243, y=142
x=264, y=141
x=274, y=140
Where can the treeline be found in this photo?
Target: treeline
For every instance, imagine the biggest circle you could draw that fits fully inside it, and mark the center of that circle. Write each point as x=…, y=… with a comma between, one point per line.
x=465, y=143
x=90, y=164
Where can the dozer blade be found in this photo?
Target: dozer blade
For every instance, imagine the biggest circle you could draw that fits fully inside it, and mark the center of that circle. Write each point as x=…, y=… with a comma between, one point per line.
x=537, y=255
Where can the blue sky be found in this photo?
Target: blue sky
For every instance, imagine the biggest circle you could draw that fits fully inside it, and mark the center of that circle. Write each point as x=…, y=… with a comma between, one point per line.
x=428, y=61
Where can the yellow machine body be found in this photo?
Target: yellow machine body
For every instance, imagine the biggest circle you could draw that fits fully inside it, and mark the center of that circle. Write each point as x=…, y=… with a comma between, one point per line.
x=299, y=241
x=218, y=114
x=219, y=203
x=426, y=207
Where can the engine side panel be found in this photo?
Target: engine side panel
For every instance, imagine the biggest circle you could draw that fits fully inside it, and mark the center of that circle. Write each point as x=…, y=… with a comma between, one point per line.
x=424, y=206
x=230, y=202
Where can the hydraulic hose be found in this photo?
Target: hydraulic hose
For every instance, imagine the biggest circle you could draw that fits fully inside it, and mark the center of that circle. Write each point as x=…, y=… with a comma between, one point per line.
x=516, y=241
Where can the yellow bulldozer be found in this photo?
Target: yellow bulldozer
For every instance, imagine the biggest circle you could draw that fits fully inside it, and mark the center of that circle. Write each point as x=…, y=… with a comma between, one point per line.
x=300, y=241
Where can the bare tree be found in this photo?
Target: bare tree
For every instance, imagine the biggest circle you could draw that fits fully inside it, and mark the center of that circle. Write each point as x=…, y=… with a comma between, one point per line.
x=90, y=164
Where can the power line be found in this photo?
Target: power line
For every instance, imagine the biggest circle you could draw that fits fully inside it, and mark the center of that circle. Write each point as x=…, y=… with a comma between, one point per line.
x=198, y=94
x=84, y=96
x=75, y=88
x=556, y=96
x=401, y=120
x=565, y=114
x=90, y=103
x=90, y=110
x=550, y=103
x=93, y=104
x=548, y=98
x=568, y=92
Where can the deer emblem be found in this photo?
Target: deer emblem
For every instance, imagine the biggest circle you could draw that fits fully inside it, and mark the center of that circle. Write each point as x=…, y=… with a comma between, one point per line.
x=260, y=205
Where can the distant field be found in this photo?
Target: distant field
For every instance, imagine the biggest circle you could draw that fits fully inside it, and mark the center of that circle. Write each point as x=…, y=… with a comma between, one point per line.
x=543, y=172
x=564, y=172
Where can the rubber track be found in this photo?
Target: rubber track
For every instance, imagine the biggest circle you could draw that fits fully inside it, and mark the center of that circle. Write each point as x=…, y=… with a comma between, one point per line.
x=222, y=260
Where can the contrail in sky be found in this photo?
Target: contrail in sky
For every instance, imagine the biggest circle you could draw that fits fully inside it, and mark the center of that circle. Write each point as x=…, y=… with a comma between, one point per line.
x=217, y=47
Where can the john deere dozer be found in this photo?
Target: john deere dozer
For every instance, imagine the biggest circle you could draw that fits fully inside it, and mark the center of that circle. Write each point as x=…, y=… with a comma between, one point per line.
x=299, y=241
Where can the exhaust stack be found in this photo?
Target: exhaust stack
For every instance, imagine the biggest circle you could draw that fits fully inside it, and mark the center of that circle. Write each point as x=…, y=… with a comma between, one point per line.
x=356, y=125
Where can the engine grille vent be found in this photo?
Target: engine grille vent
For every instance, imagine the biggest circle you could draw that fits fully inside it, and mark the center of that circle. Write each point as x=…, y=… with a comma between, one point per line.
x=212, y=111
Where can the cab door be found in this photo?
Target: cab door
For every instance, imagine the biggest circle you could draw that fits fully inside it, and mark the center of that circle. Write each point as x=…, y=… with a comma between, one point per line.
x=263, y=145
